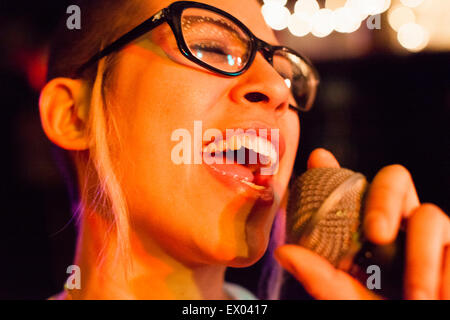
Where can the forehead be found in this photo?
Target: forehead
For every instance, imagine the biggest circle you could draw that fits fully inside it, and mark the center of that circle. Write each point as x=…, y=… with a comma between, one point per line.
x=247, y=11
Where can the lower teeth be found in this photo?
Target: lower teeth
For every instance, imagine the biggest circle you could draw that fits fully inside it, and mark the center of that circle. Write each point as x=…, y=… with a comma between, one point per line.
x=245, y=180
x=252, y=185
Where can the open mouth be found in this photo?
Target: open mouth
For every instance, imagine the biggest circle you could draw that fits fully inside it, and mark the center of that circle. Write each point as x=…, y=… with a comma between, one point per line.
x=249, y=159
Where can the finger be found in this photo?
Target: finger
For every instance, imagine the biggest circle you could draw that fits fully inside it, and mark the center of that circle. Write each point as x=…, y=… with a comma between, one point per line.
x=445, y=281
x=321, y=158
x=391, y=196
x=314, y=271
x=425, y=242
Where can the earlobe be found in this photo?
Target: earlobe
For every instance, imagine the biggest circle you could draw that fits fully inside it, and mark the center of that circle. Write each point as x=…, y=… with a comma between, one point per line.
x=64, y=106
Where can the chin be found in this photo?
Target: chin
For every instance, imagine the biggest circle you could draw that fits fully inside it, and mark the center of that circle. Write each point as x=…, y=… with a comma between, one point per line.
x=255, y=253
x=237, y=254
x=243, y=262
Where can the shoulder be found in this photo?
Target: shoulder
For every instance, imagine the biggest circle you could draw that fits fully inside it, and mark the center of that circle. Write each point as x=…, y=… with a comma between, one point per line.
x=238, y=292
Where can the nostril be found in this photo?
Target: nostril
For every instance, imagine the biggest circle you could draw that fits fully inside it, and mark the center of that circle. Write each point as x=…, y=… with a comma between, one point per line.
x=256, y=97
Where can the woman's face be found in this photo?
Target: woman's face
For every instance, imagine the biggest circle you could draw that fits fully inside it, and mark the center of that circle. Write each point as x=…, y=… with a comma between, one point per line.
x=191, y=211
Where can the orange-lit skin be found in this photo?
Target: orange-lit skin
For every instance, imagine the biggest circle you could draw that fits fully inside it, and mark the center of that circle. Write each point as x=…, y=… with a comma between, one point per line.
x=186, y=227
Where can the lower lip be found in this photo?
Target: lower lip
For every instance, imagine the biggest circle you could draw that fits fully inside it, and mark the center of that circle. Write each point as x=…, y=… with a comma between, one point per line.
x=232, y=175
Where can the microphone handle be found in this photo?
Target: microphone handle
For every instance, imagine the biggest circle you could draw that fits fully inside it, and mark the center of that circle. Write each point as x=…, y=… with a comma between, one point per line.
x=390, y=259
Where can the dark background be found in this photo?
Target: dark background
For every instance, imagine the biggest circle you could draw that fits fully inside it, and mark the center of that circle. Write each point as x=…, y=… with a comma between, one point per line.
x=370, y=112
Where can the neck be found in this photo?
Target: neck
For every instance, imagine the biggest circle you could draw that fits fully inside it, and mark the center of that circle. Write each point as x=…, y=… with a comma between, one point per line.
x=153, y=273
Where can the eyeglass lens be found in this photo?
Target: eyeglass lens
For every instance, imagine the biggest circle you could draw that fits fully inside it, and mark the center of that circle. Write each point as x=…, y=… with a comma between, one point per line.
x=222, y=44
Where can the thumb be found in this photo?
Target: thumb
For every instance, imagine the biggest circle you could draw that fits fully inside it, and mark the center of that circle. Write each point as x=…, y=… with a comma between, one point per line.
x=321, y=158
x=320, y=278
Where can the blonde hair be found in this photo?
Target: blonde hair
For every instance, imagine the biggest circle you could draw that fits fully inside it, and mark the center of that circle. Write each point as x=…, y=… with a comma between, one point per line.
x=68, y=50
x=108, y=197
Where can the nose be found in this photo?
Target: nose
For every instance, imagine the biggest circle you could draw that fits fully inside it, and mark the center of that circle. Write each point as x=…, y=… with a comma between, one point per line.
x=262, y=86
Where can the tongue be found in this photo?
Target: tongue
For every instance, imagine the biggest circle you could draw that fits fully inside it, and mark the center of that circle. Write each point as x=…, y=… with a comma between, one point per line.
x=262, y=180
x=235, y=170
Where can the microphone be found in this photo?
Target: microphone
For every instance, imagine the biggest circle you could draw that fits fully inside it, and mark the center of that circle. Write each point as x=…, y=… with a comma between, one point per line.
x=324, y=214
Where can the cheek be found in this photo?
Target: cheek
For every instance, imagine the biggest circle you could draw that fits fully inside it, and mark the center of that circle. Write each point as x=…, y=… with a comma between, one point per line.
x=179, y=205
x=174, y=202
x=291, y=133
x=158, y=82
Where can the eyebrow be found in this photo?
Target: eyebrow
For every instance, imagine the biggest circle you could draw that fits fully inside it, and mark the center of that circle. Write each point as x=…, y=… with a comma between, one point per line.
x=218, y=22
x=224, y=24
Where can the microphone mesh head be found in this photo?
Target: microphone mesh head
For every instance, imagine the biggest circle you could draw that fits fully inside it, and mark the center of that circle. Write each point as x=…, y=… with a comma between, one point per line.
x=323, y=212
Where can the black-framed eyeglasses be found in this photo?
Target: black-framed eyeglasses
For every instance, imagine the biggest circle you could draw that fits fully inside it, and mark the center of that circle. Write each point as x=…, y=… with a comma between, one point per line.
x=218, y=42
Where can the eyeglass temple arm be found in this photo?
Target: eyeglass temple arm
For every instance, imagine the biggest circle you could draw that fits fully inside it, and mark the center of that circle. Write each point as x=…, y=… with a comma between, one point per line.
x=149, y=24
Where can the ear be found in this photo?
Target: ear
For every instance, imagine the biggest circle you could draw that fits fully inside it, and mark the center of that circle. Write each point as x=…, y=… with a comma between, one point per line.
x=64, y=106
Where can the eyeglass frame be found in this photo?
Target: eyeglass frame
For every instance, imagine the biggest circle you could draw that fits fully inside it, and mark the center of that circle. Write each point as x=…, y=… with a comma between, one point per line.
x=172, y=15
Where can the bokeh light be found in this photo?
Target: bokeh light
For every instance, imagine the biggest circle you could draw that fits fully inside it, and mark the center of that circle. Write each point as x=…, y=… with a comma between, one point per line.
x=323, y=23
x=358, y=6
x=372, y=7
x=309, y=7
x=275, y=15
x=400, y=16
x=321, y=18
x=300, y=24
x=278, y=2
x=411, y=3
x=413, y=37
x=346, y=20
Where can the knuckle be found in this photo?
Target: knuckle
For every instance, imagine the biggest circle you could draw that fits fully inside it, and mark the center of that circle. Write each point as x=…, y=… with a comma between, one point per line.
x=400, y=170
x=431, y=207
x=430, y=210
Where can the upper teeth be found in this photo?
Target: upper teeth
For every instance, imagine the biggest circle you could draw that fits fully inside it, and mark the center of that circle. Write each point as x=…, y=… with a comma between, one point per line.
x=251, y=142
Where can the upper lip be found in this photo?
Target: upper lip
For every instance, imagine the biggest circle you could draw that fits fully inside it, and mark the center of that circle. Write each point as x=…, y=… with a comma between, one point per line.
x=256, y=127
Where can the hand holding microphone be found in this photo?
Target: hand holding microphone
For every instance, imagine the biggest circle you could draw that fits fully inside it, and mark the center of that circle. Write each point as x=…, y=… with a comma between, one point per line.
x=324, y=214
x=348, y=225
